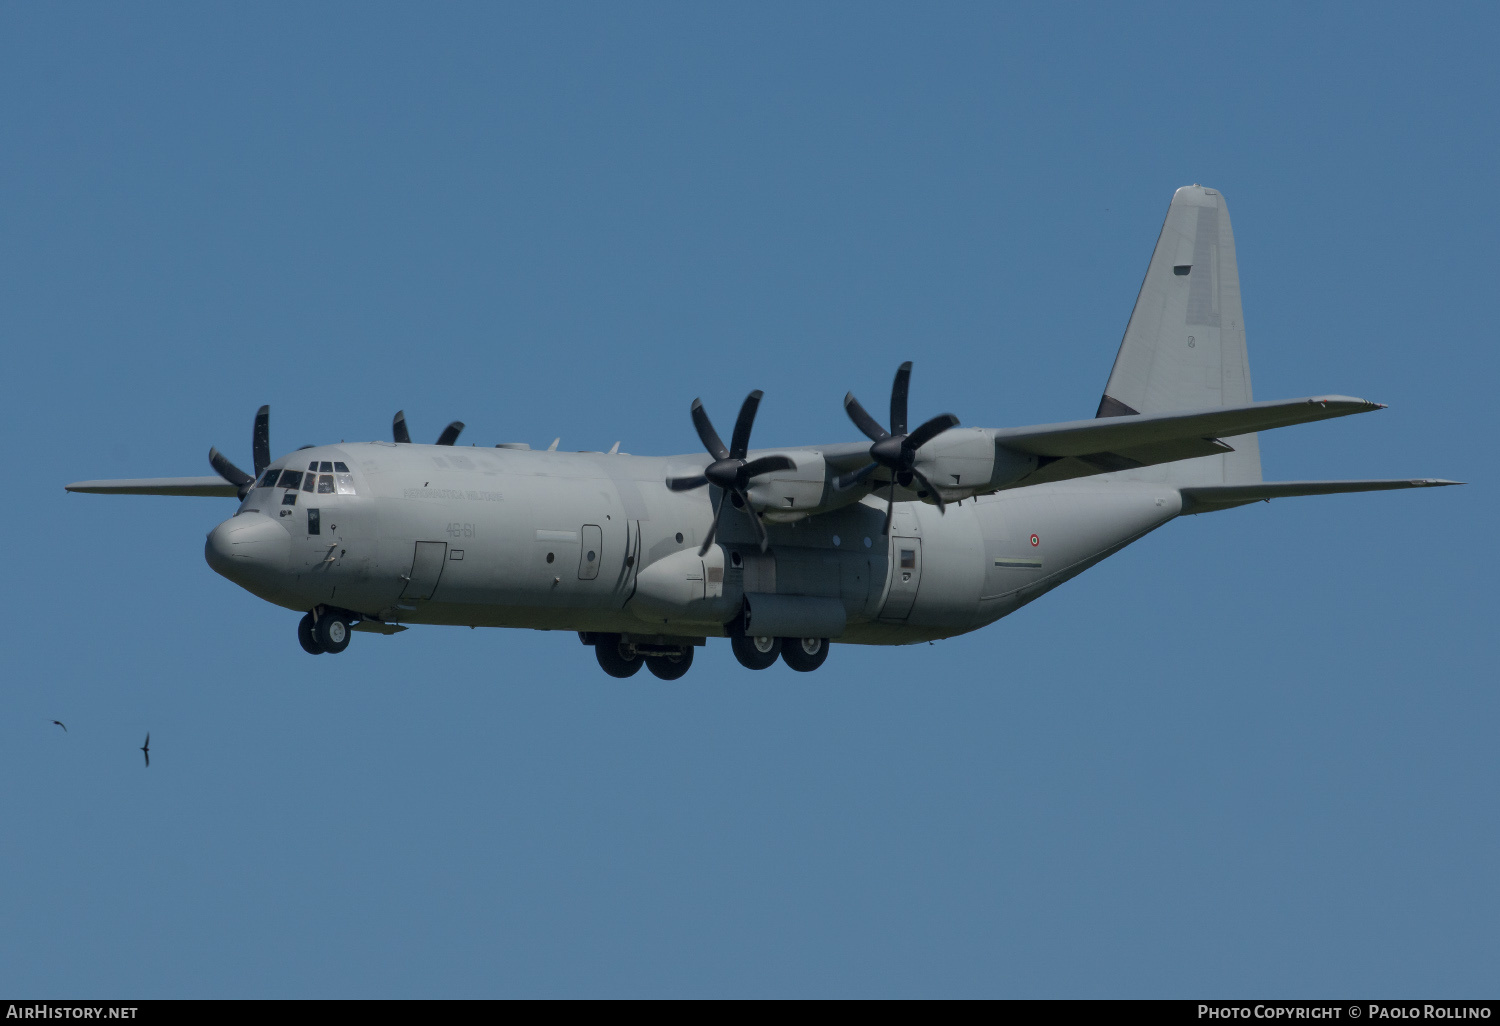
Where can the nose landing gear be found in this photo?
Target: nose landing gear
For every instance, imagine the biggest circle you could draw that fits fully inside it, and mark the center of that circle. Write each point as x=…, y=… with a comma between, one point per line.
x=323, y=630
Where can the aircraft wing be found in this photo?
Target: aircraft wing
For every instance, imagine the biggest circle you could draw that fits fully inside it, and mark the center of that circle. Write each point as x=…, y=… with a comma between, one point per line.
x=215, y=486
x=1105, y=444
x=1209, y=498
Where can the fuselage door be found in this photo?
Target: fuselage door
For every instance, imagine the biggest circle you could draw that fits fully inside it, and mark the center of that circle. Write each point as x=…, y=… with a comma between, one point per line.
x=426, y=568
x=590, y=552
x=906, y=576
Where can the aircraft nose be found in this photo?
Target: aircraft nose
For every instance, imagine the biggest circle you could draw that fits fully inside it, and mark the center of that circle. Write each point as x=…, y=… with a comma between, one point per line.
x=248, y=548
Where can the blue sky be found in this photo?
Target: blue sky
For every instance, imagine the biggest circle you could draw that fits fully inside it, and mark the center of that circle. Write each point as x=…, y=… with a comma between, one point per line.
x=1251, y=754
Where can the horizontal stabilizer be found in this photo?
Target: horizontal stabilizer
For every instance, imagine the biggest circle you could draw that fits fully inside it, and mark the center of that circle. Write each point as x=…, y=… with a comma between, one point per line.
x=214, y=486
x=1208, y=498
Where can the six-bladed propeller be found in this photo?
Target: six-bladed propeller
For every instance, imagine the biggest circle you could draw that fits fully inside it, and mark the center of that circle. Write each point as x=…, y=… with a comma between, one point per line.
x=400, y=434
x=260, y=449
x=895, y=450
x=729, y=471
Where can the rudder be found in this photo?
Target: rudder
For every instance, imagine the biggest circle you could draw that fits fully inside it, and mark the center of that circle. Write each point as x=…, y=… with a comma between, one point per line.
x=1184, y=347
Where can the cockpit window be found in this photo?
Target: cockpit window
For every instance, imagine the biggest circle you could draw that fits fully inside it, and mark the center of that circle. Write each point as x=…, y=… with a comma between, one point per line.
x=326, y=468
x=309, y=481
x=345, y=482
x=268, y=479
x=325, y=484
x=291, y=478
x=341, y=468
x=313, y=466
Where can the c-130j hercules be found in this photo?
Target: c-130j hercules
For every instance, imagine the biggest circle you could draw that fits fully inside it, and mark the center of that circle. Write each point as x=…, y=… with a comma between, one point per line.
x=924, y=532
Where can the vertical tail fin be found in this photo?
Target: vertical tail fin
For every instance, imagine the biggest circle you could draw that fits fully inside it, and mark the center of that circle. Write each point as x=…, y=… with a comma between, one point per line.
x=1184, y=347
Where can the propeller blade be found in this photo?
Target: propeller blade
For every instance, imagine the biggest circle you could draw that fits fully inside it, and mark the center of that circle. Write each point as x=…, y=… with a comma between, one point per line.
x=713, y=527
x=930, y=430
x=686, y=484
x=739, y=442
x=899, y=389
x=937, y=496
x=760, y=528
x=706, y=433
x=769, y=464
x=862, y=420
x=890, y=510
x=260, y=440
x=229, y=472
x=847, y=481
x=398, y=427
x=450, y=433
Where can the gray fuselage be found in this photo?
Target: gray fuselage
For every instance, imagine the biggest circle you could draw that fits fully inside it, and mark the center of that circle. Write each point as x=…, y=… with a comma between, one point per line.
x=595, y=542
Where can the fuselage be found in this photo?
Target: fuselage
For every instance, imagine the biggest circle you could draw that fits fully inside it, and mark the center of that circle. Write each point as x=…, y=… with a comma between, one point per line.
x=594, y=542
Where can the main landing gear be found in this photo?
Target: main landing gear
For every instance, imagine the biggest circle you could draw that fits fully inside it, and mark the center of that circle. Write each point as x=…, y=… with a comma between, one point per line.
x=323, y=630
x=620, y=658
x=802, y=654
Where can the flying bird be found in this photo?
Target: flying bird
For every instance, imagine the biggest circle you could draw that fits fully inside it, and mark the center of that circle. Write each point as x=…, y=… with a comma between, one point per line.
x=61, y=724
x=147, y=749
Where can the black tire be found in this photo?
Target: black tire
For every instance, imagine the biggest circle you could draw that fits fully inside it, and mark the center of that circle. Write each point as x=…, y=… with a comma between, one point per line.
x=671, y=667
x=332, y=633
x=755, y=653
x=614, y=662
x=306, y=637
x=795, y=653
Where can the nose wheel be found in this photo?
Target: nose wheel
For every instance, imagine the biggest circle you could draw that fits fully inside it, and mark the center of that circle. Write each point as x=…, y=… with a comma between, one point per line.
x=306, y=637
x=326, y=633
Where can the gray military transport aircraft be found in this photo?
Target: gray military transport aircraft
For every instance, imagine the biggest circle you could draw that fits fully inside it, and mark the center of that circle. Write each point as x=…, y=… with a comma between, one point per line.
x=922, y=532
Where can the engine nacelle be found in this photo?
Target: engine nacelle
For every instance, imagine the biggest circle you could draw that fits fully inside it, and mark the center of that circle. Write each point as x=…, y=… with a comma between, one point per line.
x=784, y=496
x=963, y=462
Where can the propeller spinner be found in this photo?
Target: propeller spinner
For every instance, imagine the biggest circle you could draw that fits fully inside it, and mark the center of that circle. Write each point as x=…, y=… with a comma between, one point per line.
x=895, y=450
x=730, y=471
